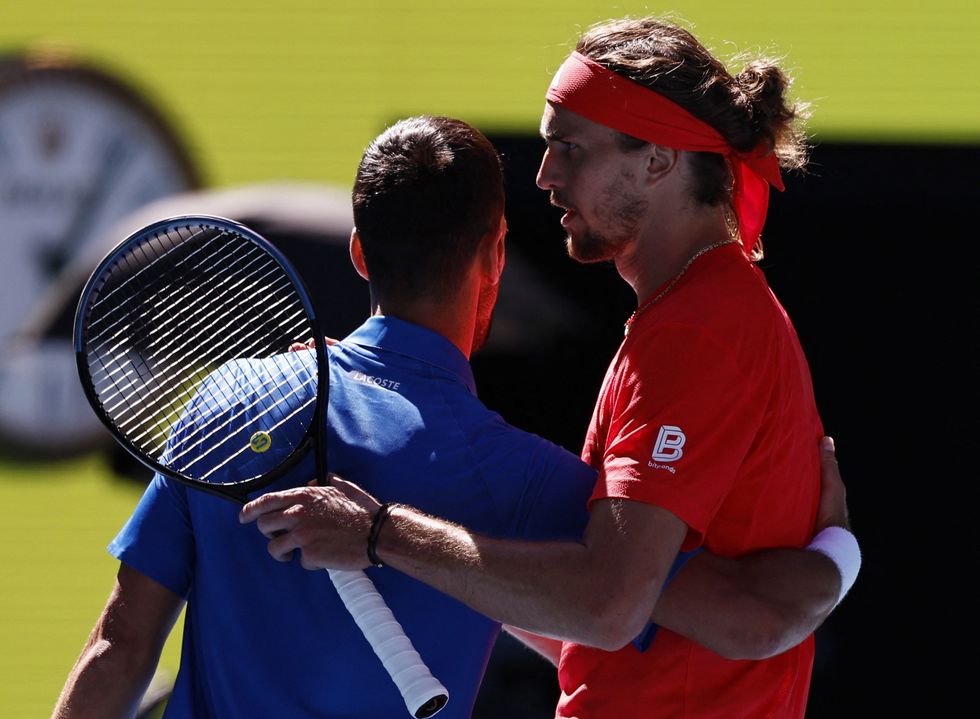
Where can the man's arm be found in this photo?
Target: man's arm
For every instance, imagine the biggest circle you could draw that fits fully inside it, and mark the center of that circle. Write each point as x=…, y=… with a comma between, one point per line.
x=763, y=603
x=121, y=654
x=752, y=607
x=598, y=591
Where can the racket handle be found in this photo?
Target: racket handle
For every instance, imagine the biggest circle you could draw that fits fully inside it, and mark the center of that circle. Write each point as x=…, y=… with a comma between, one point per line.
x=424, y=695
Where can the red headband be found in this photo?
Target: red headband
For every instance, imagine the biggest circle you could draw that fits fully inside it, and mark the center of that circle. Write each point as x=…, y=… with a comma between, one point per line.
x=588, y=89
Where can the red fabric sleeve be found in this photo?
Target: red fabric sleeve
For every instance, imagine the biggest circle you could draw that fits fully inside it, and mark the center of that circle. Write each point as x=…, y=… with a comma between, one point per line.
x=681, y=415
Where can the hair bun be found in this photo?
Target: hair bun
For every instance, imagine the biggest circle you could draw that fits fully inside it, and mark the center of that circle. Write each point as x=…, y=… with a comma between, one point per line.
x=764, y=87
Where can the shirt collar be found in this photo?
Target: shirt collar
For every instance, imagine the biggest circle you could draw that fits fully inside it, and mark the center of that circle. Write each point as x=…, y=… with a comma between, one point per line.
x=394, y=335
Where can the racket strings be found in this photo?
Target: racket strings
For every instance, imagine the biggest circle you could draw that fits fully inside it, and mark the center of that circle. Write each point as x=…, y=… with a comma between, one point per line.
x=143, y=261
x=186, y=384
x=174, y=348
x=168, y=318
x=109, y=296
x=145, y=324
x=127, y=323
x=182, y=397
x=217, y=467
x=170, y=278
x=209, y=297
x=259, y=347
x=179, y=449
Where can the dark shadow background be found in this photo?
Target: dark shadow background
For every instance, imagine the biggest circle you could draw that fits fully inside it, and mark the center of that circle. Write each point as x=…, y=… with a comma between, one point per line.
x=871, y=254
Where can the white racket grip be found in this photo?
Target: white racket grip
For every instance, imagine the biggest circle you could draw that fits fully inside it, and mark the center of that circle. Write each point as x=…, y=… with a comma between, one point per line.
x=424, y=695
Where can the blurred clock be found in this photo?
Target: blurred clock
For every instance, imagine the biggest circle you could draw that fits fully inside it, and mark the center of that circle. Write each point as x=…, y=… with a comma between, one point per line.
x=79, y=150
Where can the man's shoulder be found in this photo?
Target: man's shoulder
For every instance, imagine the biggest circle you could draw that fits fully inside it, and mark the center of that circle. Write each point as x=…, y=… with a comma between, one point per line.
x=732, y=312
x=239, y=380
x=492, y=436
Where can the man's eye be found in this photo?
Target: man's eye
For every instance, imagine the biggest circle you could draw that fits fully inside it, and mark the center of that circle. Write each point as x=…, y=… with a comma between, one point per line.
x=563, y=145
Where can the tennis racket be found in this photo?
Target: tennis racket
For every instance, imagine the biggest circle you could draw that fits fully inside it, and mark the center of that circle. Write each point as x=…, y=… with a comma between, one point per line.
x=182, y=338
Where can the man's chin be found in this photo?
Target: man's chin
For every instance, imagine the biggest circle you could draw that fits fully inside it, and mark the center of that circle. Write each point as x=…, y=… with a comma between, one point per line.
x=586, y=253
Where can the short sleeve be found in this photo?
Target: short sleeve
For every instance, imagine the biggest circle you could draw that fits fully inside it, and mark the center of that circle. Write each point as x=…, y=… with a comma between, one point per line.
x=158, y=539
x=555, y=502
x=681, y=416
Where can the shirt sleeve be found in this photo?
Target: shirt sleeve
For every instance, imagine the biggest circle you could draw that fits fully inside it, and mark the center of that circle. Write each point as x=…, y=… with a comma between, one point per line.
x=158, y=540
x=556, y=498
x=681, y=416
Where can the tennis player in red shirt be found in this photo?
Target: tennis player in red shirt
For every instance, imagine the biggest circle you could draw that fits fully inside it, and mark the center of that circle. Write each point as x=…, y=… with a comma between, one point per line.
x=705, y=432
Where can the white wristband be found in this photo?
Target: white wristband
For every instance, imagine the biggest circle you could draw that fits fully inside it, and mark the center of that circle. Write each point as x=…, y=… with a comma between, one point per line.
x=842, y=548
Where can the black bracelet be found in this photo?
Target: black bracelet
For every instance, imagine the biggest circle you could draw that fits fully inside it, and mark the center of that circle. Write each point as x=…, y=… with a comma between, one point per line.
x=379, y=520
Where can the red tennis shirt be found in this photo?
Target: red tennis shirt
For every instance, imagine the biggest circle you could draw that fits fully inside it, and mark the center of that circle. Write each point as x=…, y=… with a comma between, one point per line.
x=707, y=410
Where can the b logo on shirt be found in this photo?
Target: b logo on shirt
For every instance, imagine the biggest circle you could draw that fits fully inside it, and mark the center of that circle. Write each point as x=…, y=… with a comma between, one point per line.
x=670, y=444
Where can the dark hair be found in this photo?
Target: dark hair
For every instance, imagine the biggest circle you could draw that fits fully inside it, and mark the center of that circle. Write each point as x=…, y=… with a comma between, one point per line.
x=427, y=190
x=745, y=109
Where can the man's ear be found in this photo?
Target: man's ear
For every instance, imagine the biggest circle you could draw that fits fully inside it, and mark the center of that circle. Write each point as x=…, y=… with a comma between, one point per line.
x=357, y=254
x=493, y=254
x=660, y=161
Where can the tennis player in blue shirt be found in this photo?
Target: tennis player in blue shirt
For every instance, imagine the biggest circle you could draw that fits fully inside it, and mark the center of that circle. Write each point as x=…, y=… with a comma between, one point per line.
x=266, y=638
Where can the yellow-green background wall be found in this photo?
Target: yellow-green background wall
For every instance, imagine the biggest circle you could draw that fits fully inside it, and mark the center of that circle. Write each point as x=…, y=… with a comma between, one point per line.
x=297, y=88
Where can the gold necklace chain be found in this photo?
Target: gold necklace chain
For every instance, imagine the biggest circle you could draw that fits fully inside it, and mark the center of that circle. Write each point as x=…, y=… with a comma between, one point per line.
x=649, y=303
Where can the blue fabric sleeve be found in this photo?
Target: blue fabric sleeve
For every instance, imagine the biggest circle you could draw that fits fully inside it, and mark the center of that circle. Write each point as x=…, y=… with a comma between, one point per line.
x=645, y=638
x=158, y=539
x=555, y=501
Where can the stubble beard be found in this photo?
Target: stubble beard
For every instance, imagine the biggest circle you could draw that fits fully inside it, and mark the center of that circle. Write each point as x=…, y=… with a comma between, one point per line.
x=593, y=247
x=620, y=212
x=484, y=316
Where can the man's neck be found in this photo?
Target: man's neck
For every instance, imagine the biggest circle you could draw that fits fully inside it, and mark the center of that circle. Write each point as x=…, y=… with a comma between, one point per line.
x=663, y=250
x=448, y=316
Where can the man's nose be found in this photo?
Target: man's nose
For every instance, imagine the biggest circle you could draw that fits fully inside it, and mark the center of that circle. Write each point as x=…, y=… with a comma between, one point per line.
x=548, y=176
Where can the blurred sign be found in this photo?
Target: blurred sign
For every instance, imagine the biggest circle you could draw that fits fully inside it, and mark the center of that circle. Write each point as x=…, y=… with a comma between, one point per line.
x=79, y=150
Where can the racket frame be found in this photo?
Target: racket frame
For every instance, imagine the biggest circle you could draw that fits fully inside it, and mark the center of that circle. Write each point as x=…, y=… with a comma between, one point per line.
x=237, y=491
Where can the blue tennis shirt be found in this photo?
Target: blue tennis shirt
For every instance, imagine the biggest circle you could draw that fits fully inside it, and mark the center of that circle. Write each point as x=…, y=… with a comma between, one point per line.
x=268, y=639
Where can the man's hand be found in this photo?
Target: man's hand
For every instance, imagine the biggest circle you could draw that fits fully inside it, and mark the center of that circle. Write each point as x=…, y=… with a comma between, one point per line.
x=328, y=525
x=832, y=511
x=310, y=344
